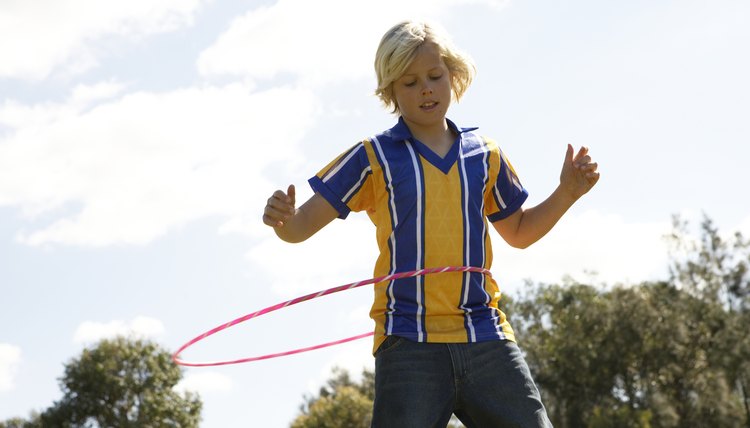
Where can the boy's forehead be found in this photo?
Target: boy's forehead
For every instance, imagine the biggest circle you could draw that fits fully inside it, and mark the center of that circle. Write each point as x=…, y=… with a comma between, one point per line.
x=427, y=58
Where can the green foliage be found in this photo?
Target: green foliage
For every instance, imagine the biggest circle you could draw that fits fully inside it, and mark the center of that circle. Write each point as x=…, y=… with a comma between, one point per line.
x=619, y=417
x=33, y=422
x=119, y=383
x=343, y=403
x=662, y=354
x=345, y=408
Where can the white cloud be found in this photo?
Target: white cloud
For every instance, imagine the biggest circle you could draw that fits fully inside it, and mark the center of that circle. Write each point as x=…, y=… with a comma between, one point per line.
x=343, y=252
x=353, y=357
x=142, y=327
x=744, y=227
x=618, y=251
x=84, y=95
x=205, y=383
x=35, y=117
x=39, y=37
x=10, y=359
x=129, y=169
x=281, y=39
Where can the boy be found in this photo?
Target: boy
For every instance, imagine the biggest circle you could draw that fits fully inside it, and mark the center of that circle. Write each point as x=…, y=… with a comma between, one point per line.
x=441, y=345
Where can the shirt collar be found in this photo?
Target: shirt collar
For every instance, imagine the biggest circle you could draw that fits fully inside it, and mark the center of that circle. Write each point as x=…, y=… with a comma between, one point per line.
x=401, y=131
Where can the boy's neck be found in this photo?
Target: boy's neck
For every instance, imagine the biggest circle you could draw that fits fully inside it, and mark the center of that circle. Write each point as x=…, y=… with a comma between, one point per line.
x=438, y=138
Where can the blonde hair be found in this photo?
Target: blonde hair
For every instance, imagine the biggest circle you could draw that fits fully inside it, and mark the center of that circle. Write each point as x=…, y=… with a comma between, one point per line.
x=398, y=48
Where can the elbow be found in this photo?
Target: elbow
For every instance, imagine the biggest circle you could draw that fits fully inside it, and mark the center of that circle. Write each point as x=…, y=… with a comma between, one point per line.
x=290, y=238
x=520, y=244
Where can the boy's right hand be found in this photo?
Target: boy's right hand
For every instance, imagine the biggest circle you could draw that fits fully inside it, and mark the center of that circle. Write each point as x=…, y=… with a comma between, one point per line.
x=280, y=207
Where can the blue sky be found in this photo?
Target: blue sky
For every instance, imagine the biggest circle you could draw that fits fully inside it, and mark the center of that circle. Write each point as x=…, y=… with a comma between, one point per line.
x=140, y=141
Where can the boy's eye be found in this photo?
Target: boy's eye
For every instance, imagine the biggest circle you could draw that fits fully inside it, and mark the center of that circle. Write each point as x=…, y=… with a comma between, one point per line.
x=410, y=83
x=438, y=77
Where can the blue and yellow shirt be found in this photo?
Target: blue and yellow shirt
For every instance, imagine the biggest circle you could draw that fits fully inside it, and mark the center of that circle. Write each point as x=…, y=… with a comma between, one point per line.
x=429, y=212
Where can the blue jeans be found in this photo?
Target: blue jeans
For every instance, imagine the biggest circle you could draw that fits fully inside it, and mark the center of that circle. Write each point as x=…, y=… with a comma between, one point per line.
x=486, y=385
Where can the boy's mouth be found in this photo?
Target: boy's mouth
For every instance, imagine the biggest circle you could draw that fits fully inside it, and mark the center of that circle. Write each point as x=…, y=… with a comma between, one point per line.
x=428, y=105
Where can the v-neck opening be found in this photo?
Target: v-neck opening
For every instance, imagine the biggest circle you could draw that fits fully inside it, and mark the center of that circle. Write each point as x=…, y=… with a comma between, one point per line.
x=401, y=132
x=445, y=163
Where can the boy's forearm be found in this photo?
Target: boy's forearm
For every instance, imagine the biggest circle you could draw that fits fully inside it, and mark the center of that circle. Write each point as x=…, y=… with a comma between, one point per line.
x=292, y=230
x=307, y=220
x=535, y=222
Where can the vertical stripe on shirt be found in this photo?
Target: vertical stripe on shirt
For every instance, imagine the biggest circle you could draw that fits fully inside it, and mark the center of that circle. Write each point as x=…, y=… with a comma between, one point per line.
x=341, y=163
x=402, y=177
x=419, y=241
x=466, y=283
x=475, y=296
x=495, y=311
x=365, y=172
x=392, y=239
x=428, y=212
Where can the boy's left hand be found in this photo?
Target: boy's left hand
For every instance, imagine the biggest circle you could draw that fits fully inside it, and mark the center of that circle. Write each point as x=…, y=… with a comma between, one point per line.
x=578, y=173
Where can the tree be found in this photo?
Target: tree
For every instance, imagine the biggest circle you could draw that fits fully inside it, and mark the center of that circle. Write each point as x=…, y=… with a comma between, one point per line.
x=346, y=408
x=718, y=269
x=119, y=383
x=33, y=422
x=342, y=403
x=643, y=356
x=660, y=354
x=670, y=353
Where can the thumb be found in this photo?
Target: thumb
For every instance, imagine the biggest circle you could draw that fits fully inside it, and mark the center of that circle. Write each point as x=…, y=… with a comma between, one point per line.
x=291, y=193
x=569, y=154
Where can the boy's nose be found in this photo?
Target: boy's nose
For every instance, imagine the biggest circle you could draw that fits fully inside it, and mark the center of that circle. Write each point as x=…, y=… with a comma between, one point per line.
x=426, y=90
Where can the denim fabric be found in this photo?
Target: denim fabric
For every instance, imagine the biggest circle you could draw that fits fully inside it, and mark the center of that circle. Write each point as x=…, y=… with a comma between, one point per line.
x=486, y=384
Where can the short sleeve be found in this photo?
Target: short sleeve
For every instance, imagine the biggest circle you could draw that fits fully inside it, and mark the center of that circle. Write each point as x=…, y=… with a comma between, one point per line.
x=346, y=182
x=507, y=194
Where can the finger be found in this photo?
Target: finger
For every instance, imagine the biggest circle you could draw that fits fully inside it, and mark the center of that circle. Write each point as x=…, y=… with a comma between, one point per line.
x=279, y=207
x=590, y=167
x=275, y=215
x=278, y=211
x=581, y=152
x=281, y=201
x=583, y=161
x=271, y=221
x=569, y=154
x=279, y=194
x=292, y=194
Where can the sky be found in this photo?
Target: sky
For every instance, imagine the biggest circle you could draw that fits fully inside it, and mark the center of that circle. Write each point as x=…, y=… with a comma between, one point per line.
x=140, y=140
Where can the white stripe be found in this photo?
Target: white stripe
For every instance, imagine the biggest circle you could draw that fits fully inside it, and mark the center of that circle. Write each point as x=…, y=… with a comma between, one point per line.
x=467, y=233
x=420, y=250
x=499, y=197
x=484, y=224
x=498, y=327
x=516, y=183
x=359, y=183
x=512, y=176
x=496, y=313
x=343, y=162
x=392, y=238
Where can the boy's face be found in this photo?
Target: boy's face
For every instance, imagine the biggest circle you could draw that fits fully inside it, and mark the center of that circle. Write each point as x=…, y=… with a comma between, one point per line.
x=423, y=93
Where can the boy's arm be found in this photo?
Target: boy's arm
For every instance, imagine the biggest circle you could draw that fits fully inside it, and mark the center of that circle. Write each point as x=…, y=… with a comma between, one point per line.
x=297, y=224
x=524, y=227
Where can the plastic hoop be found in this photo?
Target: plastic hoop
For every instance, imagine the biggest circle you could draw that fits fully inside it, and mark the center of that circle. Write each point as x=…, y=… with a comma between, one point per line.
x=176, y=356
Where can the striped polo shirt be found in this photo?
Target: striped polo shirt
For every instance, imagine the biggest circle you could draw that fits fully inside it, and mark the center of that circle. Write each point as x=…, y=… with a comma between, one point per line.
x=429, y=212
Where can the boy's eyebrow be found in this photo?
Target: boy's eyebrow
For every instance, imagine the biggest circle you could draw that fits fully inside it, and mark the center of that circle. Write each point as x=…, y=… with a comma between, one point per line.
x=414, y=74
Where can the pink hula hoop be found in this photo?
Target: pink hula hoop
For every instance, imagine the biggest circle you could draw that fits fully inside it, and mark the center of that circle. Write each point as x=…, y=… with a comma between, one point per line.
x=176, y=356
